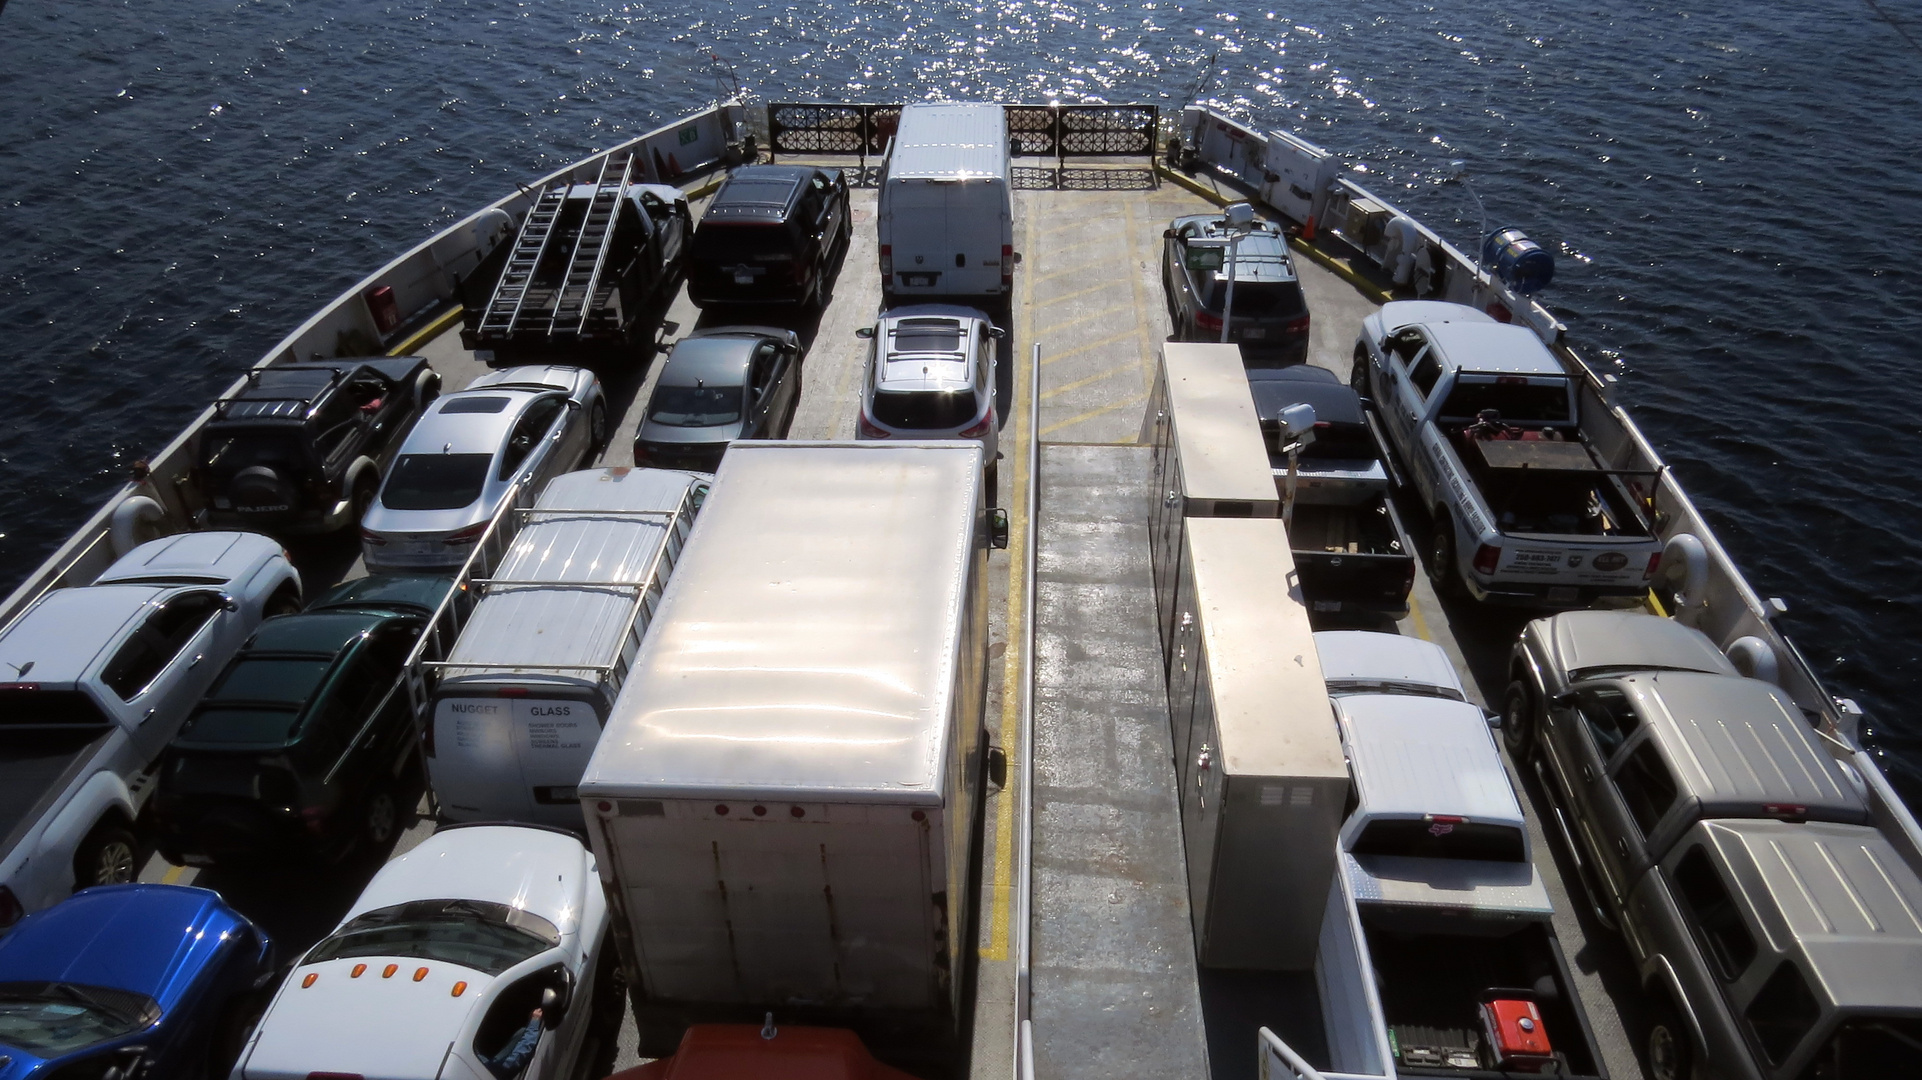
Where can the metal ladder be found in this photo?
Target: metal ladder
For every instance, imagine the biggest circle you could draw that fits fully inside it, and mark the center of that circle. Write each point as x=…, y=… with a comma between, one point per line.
x=574, y=302
x=504, y=311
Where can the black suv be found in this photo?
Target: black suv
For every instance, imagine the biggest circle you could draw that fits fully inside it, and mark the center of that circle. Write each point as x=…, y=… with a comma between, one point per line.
x=302, y=447
x=772, y=235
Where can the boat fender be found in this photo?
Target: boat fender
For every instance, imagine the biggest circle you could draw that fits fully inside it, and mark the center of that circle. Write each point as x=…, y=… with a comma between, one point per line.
x=1754, y=658
x=1398, y=255
x=1684, y=558
x=1854, y=777
x=135, y=521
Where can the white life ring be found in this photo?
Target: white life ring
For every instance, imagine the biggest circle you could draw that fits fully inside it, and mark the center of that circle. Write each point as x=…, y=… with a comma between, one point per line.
x=135, y=521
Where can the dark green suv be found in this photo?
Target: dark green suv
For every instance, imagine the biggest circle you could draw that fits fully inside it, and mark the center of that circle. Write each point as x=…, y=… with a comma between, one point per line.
x=300, y=747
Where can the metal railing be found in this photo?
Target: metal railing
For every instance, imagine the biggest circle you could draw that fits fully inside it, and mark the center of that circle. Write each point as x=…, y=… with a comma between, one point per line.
x=1024, y=865
x=1057, y=131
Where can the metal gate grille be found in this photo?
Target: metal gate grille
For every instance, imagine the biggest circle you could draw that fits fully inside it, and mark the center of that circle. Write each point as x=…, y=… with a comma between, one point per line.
x=1056, y=131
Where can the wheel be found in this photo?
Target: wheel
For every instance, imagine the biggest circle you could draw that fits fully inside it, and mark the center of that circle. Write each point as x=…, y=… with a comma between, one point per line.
x=381, y=817
x=596, y=432
x=105, y=857
x=1358, y=371
x=426, y=388
x=1442, y=570
x=365, y=489
x=991, y=478
x=1670, y=1057
x=285, y=601
x=1518, y=721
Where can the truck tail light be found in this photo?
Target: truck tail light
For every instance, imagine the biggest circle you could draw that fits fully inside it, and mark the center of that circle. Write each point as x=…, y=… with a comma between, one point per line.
x=1487, y=557
x=1007, y=265
x=1654, y=564
x=1208, y=320
x=870, y=431
x=468, y=535
x=975, y=431
x=1444, y=819
x=372, y=538
x=887, y=260
x=1297, y=326
x=10, y=910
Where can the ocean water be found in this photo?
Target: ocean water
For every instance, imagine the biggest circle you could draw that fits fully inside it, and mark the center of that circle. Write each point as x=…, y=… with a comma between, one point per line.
x=1730, y=189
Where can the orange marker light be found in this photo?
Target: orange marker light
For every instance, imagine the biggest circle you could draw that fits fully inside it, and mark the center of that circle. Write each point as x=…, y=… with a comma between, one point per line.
x=460, y=988
x=359, y=970
x=309, y=980
x=388, y=971
x=419, y=974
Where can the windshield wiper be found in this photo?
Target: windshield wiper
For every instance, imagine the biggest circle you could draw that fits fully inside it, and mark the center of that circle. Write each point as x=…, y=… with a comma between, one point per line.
x=82, y=996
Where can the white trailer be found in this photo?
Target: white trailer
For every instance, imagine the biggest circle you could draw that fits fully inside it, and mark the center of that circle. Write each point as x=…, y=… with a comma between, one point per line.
x=946, y=206
x=785, y=799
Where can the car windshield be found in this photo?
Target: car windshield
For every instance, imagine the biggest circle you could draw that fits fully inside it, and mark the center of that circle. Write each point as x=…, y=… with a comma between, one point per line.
x=436, y=481
x=1442, y=840
x=48, y=1019
x=929, y=410
x=232, y=450
x=695, y=406
x=477, y=934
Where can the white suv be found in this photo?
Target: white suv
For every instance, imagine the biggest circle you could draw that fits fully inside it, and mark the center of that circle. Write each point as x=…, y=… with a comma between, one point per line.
x=930, y=375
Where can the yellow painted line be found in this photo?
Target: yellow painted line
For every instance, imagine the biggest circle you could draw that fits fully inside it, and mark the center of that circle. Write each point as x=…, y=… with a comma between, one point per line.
x=1056, y=328
x=1064, y=297
x=1079, y=383
x=1654, y=605
x=1020, y=533
x=427, y=333
x=1092, y=413
x=1421, y=624
x=1342, y=270
x=706, y=187
x=1193, y=185
x=173, y=875
x=1090, y=346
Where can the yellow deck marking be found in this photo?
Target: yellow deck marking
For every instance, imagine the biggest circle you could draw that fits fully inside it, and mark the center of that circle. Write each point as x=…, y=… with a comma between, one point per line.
x=1141, y=307
x=1079, y=383
x=427, y=333
x=1421, y=624
x=1020, y=534
x=173, y=875
x=1089, y=346
x=1056, y=328
x=1064, y=297
x=1092, y=413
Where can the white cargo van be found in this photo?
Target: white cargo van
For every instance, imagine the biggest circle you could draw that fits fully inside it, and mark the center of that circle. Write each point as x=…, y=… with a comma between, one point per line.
x=520, y=699
x=784, y=802
x=946, y=218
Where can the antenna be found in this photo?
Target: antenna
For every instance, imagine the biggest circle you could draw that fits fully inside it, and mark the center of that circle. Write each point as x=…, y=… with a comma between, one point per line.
x=1201, y=84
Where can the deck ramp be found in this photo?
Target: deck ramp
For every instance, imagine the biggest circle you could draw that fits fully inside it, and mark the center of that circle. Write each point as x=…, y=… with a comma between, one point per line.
x=1114, y=967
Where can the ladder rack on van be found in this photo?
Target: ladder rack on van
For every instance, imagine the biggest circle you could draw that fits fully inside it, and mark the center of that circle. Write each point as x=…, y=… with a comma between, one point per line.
x=523, y=301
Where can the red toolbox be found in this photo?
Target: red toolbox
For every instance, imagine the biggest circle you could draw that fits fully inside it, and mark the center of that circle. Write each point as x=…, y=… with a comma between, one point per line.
x=1516, y=1038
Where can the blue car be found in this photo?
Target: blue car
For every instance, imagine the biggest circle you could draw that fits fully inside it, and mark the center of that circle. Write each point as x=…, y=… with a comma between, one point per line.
x=130, y=981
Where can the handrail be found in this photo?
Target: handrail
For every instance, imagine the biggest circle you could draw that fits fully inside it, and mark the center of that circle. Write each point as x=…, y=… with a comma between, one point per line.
x=1024, y=867
x=1270, y=1043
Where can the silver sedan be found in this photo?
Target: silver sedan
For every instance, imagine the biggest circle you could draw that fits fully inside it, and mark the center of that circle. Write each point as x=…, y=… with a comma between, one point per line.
x=505, y=435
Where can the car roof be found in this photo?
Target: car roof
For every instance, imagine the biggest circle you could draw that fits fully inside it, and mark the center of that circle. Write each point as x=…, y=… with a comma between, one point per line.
x=1628, y=640
x=927, y=369
x=758, y=193
x=1838, y=895
x=156, y=940
x=715, y=361
x=1492, y=348
x=61, y=636
x=213, y=557
x=439, y=431
x=540, y=871
x=1738, y=742
x=318, y=631
x=1353, y=659
x=1262, y=255
x=1414, y=756
x=1333, y=404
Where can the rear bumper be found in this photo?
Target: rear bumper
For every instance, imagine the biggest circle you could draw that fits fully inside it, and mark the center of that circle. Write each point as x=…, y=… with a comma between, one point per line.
x=293, y=523
x=1551, y=597
x=245, y=835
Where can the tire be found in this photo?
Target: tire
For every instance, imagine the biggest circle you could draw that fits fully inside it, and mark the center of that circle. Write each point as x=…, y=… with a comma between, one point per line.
x=365, y=490
x=108, y=856
x=426, y=388
x=1670, y=1055
x=380, y=818
x=991, y=478
x=596, y=432
x=285, y=601
x=1518, y=721
x=1358, y=371
x=1442, y=571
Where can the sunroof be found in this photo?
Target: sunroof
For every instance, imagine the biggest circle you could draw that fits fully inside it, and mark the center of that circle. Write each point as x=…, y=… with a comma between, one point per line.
x=927, y=335
x=473, y=405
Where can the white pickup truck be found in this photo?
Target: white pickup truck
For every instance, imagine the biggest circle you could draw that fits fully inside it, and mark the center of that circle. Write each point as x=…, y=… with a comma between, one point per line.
x=1486, y=421
x=1438, y=956
x=99, y=679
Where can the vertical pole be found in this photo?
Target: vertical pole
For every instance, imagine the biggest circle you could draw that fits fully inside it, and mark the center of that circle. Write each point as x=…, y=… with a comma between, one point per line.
x=1228, y=301
x=1288, y=503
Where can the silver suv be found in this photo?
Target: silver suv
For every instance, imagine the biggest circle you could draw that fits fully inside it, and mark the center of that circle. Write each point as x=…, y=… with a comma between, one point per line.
x=930, y=375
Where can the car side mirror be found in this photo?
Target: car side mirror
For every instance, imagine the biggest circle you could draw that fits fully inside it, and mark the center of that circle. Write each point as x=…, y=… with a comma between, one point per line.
x=228, y=603
x=1017, y=258
x=553, y=1006
x=573, y=406
x=1167, y=234
x=1563, y=700
x=865, y=332
x=997, y=333
x=1494, y=719
x=998, y=528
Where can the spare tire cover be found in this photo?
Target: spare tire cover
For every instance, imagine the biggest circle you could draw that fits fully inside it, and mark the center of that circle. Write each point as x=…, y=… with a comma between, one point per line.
x=259, y=489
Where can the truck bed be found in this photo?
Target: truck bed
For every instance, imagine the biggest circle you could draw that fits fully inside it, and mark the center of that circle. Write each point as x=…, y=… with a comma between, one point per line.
x=35, y=767
x=1352, y=557
x=1550, y=487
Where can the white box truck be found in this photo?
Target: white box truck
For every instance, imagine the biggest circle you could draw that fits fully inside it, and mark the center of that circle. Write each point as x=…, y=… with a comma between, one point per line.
x=515, y=709
x=946, y=213
x=785, y=802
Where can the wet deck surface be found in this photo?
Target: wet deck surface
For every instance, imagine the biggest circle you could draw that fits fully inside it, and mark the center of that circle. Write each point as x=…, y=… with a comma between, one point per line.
x=1116, y=990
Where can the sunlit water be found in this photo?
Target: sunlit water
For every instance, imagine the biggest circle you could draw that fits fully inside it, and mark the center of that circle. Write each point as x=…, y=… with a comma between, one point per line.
x=1730, y=187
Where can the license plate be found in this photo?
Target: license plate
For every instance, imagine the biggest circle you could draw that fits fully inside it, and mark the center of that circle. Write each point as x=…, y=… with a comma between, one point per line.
x=1254, y=332
x=1327, y=605
x=483, y=356
x=1563, y=594
x=744, y=279
x=922, y=280
x=421, y=547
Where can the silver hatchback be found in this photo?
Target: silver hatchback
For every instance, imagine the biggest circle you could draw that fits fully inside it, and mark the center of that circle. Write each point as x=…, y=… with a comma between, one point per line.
x=467, y=454
x=930, y=375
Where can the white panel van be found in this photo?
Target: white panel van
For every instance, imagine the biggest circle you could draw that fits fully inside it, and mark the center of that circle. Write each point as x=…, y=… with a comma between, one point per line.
x=946, y=218
x=521, y=697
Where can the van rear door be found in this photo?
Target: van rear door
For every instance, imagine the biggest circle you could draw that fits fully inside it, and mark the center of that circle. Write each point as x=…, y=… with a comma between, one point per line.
x=977, y=225
x=918, y=235
x=512, y=758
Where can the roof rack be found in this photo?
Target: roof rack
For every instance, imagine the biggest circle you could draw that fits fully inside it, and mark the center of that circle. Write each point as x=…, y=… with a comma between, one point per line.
x=523, y=302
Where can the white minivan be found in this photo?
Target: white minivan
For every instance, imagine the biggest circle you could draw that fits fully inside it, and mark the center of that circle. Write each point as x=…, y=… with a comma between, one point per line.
x=946, y=218
x=521, y=697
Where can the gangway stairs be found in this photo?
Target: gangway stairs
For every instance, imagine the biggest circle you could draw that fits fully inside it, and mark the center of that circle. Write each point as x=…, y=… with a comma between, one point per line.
x=532, y=299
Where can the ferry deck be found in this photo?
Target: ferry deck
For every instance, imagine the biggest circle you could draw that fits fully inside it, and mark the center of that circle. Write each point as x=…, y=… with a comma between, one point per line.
x=1114, y=986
